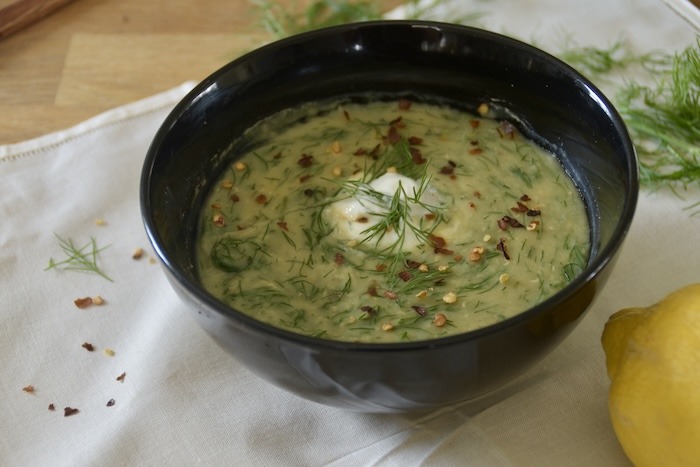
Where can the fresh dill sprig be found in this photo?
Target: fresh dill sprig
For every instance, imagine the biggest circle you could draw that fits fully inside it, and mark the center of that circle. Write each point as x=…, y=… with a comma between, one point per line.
x=394, y=216
x=399, y=156
x=396, y=213
x=663, y=117
x=665, y=120
x=398, y=216
x=280, y=22
x=404, y=213
x=236, y=254
x=600, y=63
x=81, y=259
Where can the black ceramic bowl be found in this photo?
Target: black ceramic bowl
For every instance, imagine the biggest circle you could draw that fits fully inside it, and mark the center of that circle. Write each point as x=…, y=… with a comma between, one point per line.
x=545, y=98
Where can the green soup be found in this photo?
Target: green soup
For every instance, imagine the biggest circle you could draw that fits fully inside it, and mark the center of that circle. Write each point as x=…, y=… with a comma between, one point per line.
x=389, y=222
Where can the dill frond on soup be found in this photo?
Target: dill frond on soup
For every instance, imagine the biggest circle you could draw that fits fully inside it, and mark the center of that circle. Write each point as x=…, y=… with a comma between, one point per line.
x=391, y=221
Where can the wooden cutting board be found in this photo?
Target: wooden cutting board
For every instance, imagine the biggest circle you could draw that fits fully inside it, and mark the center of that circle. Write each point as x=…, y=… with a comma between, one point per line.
x=17, y=14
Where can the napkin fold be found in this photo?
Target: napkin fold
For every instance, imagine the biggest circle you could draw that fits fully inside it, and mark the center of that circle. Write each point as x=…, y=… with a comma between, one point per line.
x=169, y=396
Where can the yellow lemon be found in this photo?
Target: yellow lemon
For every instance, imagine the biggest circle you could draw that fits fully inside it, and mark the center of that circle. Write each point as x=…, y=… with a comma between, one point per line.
x=653, y=361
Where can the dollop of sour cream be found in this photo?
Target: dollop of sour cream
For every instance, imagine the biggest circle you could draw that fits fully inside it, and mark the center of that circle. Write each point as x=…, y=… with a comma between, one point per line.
x=358, y=217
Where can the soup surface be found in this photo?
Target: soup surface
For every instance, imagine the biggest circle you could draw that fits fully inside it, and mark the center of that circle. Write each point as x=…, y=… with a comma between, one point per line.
x=389, y=222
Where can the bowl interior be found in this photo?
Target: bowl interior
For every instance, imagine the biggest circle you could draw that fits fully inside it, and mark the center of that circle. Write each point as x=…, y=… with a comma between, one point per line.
x=547, y=100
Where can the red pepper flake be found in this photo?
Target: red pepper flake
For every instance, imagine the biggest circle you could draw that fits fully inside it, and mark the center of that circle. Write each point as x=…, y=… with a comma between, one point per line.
x=304, y=178
x=506, y=130
x=368, y=309
x=373, y=153
x=404, y=104
x=430, y=216
x=472, y=205
x=417, y=156
x=475, y=151
x=380, y=267
x=525, y=198
x=515, y=223
x=390, y=295
x=507, y=221
x=420, y=310
x=477, y=194
x=283, y=225
x=458, y=258
x=533, y=212
x=278, y=155
x=235, y=198
x=261, y=199
x=412, y=264
x=68, y=411
x=88, y=346
x=393, y=136
x=52, y=407
x=447, y=170
x=520, y=208
x=415, y=141
x=397, y=122
x=110, y=403
x=362, y=220
x=439, y=245
x=339, y=259
x=29, y=389
x=121, y=377
x=372, y=291
x=83, y=302
x=405, y=276
x=438, y=242
x=474, y=123
x=306, y=160
x=502, y=248
x=309, y=192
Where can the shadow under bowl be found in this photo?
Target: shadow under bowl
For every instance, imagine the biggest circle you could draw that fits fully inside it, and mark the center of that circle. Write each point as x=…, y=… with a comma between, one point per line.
x=548, y=100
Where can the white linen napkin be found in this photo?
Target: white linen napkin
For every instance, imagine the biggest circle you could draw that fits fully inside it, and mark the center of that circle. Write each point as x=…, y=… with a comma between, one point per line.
x=183, y=401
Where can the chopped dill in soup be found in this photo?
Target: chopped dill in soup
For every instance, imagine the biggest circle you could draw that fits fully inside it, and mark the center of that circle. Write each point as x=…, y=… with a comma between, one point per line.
x=391, y=222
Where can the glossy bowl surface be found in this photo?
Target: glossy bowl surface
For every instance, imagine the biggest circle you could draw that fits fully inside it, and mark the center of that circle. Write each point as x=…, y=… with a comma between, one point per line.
x=545, y=98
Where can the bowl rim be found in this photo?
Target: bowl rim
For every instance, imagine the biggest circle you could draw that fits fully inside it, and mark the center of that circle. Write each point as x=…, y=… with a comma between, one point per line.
x=594, y=267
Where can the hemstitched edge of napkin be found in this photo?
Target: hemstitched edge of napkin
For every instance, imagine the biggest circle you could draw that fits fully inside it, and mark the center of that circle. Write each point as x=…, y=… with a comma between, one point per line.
x=137, y=109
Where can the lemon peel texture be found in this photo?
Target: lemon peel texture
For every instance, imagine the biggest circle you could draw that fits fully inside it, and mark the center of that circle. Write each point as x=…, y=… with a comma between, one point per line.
x=653, y=362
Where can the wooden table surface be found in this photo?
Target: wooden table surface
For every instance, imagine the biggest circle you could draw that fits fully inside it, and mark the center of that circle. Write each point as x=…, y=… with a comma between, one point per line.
x=91, y=55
